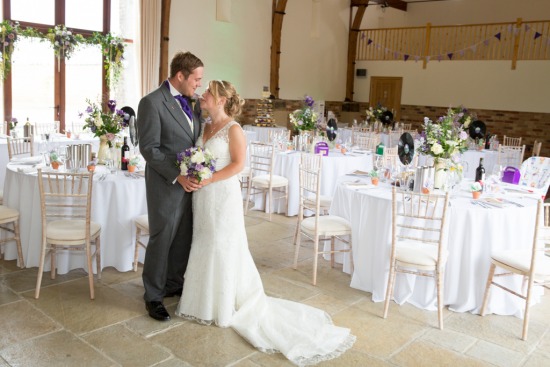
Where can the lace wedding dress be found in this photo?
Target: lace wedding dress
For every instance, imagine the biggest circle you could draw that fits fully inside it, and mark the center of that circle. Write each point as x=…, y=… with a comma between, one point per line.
x=223, y=286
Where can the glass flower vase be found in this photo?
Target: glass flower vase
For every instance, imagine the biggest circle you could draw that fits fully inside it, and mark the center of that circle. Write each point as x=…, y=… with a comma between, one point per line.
x=103, y=152
x=440, y=174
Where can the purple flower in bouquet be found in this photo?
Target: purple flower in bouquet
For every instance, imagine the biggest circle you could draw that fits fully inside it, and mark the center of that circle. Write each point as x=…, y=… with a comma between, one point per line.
x=309, y=101
x=112, y=105
x=196, y=162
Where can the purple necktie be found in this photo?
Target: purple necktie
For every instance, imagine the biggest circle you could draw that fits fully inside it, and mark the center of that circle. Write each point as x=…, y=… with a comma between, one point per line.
x=185, y=106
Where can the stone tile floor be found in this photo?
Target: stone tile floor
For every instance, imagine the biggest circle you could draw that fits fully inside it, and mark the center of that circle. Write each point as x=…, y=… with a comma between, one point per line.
x=65, y=328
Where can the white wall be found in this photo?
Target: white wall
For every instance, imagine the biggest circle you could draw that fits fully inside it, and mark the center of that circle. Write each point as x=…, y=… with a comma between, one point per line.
x=239, y=51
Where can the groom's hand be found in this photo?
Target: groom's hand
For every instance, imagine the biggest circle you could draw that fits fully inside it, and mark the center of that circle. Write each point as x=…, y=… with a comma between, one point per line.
x=188, y=185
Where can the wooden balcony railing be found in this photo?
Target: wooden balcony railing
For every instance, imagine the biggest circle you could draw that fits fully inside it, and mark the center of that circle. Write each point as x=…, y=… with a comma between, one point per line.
x=514, y=41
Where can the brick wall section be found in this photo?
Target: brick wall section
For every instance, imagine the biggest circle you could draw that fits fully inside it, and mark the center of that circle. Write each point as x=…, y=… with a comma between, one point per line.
x=530, y=126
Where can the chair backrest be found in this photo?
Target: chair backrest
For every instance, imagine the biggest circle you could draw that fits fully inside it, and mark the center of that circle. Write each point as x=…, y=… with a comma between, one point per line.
x=510, y=155
x=407, y=126
x=20, y=146
x=512, y=142
x=365, y=141
x=419, y=218
x=394, y=138
x=65, y=196
x=535, y=173
x=309, y=181
x=391, y=158
x=49, y=127
x=261, y=159
x=536, y=148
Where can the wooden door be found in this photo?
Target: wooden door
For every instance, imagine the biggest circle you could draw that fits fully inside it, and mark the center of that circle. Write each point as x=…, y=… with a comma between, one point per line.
x=386, y=91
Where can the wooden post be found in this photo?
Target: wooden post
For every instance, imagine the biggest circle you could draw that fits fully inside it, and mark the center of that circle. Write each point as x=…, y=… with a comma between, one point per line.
x=427, y=45
x=352, y=46
x=276, y=27
x=164, y=39
x=516, y=44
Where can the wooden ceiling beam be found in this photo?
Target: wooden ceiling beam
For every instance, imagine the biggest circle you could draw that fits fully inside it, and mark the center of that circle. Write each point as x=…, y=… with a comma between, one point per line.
x=352, y=46
x=278, y=13
x=397, y=4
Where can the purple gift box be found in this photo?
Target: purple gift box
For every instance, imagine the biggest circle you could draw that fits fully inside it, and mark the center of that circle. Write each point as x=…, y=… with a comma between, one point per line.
x=511, y=175
x=321, y=148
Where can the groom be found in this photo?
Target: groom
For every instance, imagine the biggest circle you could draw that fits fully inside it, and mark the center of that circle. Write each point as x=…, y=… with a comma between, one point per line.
x=167, y=125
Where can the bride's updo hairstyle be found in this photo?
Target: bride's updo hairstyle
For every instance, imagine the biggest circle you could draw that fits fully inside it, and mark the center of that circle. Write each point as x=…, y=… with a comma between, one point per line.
x=234, y=103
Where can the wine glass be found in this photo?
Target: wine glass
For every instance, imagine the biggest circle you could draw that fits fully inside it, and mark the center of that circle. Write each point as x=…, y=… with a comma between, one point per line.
x=497, y=171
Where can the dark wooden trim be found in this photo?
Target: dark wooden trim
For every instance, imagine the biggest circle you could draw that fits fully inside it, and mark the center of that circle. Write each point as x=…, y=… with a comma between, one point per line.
x=352, y=49
x=105, y=92
x=276, y=30
x=164, y=40
x=6, y=9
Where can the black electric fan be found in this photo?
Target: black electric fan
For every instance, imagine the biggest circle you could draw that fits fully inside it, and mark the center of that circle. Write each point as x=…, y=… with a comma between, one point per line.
x=332, y=127
x=405, y=148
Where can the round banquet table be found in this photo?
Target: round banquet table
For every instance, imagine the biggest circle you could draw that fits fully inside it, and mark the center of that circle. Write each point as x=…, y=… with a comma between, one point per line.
x=262, y=133
x=55, y=141
x=334, y=165
x=473, y=233
x=116, y=200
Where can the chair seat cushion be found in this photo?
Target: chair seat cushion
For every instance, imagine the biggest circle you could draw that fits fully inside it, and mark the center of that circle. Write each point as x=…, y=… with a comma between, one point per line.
x=245, y=172
x=521, y=260
x=329, y=225
x=142, y=221
x=417, y=255
x=8, y=214
x=70, y=232
x=263, y=181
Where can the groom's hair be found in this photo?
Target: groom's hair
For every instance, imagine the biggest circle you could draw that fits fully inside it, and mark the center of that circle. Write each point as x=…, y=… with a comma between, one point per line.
x=185, y=62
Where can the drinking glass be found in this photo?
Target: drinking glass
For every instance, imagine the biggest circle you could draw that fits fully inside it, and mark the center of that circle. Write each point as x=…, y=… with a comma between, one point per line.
x=497, y=171
x=111, y=166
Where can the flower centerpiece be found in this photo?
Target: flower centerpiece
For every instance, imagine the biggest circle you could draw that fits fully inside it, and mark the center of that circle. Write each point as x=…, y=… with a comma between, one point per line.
x=374, y=177
x=12, y=124
x=305, y=118
x=55, y=160
x=375, y=114
x=445, y=141
x=8, y=37
x=476, y=188
x=64, y=41
x=103, y=124
x=196, y=162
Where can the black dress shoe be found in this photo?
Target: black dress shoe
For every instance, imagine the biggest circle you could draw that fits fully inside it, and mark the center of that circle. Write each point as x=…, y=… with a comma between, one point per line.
x=175, y=293
x=157, y=311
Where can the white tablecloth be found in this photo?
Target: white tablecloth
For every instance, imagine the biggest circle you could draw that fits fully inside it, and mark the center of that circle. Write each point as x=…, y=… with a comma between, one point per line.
x=334, y=165
x=115, y=202
x=55, y=141
x=262, y=133
x=473, y=232
x=471, y=157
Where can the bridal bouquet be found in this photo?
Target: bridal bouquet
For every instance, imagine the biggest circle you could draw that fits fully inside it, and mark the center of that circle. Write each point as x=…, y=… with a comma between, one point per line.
x=196, y=162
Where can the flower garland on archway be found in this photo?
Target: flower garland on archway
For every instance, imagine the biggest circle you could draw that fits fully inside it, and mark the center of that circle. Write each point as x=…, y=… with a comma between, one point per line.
x=64, y=42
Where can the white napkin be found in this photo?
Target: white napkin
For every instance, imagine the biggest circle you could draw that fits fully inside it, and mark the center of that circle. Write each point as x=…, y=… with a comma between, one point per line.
x=26, y=160
x=26, y=170
x=360, y=185
x=358, y=173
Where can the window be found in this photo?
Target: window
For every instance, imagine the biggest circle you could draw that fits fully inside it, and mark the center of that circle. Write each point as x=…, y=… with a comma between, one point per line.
x=44, y=88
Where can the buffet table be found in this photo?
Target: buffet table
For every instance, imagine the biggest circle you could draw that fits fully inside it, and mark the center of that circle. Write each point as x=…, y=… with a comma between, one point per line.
x=334, y=165
x=116, y=200
x=473, y=232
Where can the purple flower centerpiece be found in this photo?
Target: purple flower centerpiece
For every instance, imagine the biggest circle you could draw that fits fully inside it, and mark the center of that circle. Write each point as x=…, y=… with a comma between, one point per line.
x=100, y=123
x=305, y=118
x=196, y=162
x=445, y=141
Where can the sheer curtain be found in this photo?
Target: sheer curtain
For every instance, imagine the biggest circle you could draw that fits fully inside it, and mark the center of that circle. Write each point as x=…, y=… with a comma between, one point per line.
x=150, y=12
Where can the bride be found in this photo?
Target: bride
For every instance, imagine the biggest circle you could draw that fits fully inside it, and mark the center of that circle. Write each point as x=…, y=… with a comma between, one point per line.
x=222, y=285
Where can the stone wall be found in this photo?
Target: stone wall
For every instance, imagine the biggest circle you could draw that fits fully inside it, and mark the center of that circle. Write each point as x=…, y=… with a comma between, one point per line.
x=530, y=126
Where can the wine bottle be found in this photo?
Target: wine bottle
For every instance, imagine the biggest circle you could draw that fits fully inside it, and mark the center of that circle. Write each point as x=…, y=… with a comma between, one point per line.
x=480, y=171
x=125, y=155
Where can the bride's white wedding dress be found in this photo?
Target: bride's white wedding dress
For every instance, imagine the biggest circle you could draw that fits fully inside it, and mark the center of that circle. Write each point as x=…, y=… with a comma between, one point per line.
x=223, y=286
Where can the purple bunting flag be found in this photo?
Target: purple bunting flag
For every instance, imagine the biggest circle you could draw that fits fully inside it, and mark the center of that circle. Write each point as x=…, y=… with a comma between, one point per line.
x=369, y=42
x=461, y=52
x=497, y=36
x=439, y=57
x=486, y=42
x=395, y=54
x=450, y=55
x=537, y=35
x=406, y=57
x=416, y=58
x=527, y=27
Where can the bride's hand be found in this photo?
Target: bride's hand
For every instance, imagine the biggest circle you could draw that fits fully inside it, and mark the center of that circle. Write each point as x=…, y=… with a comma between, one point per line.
x=189, y=185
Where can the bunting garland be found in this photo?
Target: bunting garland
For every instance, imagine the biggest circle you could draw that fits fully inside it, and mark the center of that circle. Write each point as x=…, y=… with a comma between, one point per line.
x=450, y=54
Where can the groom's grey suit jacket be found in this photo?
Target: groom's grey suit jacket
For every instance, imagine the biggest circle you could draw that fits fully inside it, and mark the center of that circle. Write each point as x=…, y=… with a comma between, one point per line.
x=164, y=131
